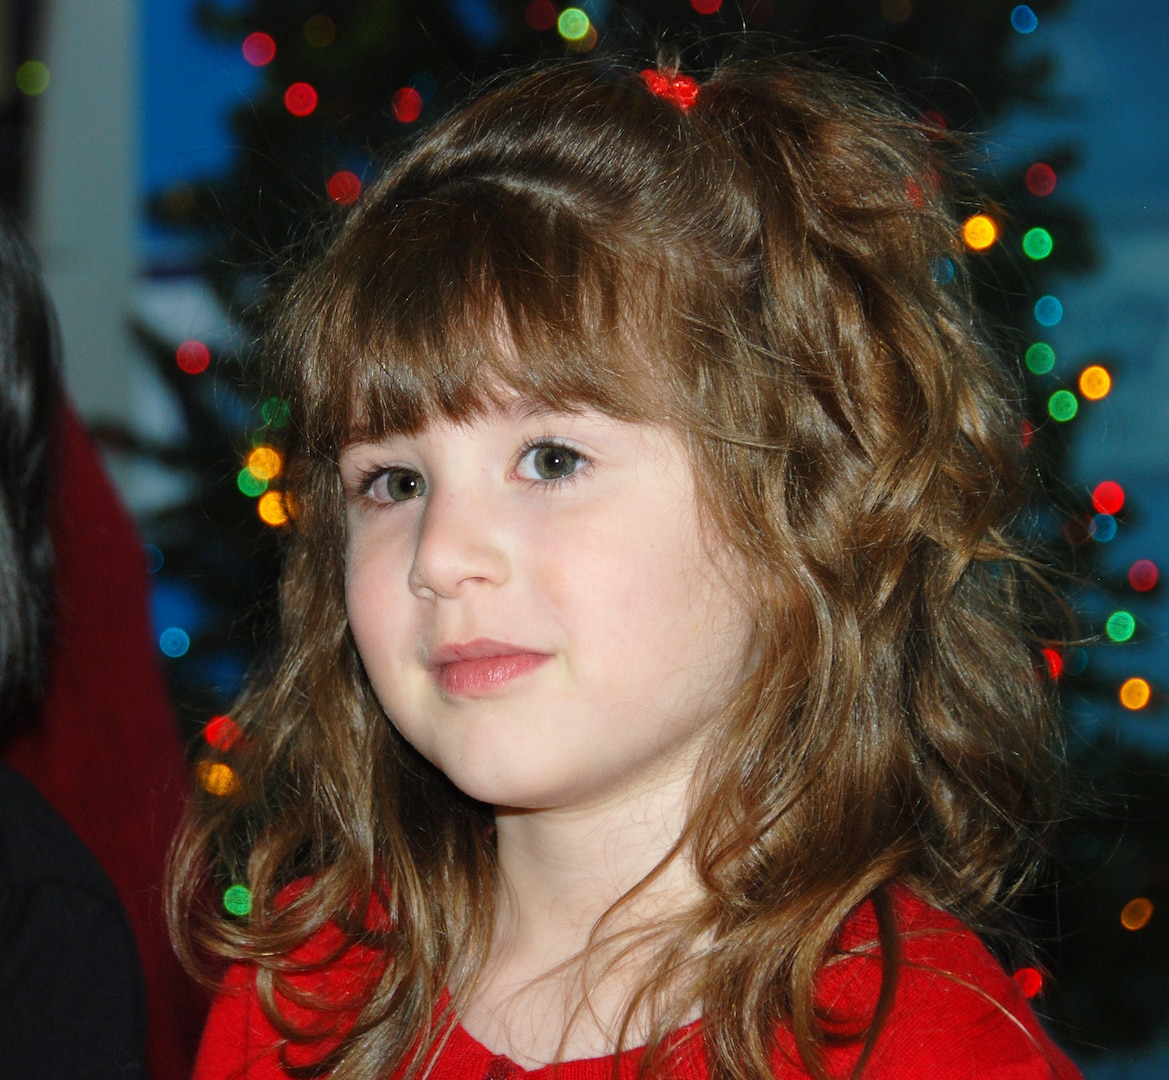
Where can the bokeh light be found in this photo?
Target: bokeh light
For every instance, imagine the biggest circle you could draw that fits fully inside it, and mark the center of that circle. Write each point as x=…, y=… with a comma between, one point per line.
x=1120, y=626
x=1029, y=980
x=174, y=642
x=300, y=99
x=1053, y=661
x=1063, y=406
x=896, y=11
x=1108, y=497
x=1037, y=243
x=216, y=778
x=1024, y=20
x=1039, y=358
x=1135, y=915
x=573, y=24
x=1135, y=693
x=222, y=732
x=1103, y=528
x=154, y=558
x=193, y=357
x=980, y=232
x=706, y=7
x=406, y=105
x=1048, y=311
x=943, y=270
x=275, y=412
x=320, y=31
x=1095, y=382
x=344, y=187
x=935, y=123
x=250, y=484
x=259, y=49
x=237, y=899
x=1143, y=574
x=540, y=14
x=1040, y=179
x=32, y=78
x=272, y=510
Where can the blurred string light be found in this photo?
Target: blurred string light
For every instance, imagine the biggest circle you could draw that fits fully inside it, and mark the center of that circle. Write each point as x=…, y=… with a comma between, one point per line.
x=275, y=412
x=1120, y=626
x=174, y=642
x=193, y=357
x=1135, y=915
x=301, y=99
x=1029, y=981
x=1103, y=528
x=259, y=49
x=237, y=899
x=222, y=732
x=1063, y=406
x=320, y=31
x=250, y=484
x=1048, y=311
x=1053, y=662
x=216, y=778
x=265, y=462
x=1039, y=358
x=344, y=187
x=943, y=270
x=1108, y=497
x=1135, y=693
x=1040, y=179
x=540, y=14
x=980, y=232
x=706, y=7
x=479, y=20
x=273, y=509
x=1037, y=243
x=1143, y=574
x=32, y=78
x=1095, y=382
x=935, y=123
x=406, y=105
x=154, y=558
x=1024, y=20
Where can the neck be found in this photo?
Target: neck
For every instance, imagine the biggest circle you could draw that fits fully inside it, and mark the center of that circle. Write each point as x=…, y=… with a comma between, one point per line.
x=561, y=871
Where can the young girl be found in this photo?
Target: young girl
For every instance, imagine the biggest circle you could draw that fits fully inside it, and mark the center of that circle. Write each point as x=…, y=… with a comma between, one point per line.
x=658, y=693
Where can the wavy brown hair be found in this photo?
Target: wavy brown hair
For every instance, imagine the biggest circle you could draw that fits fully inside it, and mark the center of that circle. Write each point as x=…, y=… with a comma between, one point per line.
x=761, y=272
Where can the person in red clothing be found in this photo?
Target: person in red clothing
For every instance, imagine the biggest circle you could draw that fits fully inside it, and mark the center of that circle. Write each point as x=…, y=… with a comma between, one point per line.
x=85, y=716
x=659, y=689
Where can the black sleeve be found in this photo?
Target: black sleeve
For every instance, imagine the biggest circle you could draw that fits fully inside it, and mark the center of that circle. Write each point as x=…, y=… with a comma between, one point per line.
x=72, y=999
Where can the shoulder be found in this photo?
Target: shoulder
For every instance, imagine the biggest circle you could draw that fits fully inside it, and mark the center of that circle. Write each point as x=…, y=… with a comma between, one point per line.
x=955, y=1012
x=66, y=950
x=323, y=985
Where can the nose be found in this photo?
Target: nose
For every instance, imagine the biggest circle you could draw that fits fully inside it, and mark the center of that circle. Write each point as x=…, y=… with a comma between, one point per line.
x=459, y=546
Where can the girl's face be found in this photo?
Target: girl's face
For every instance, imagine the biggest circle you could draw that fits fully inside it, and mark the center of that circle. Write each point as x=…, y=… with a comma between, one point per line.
x=536, y=606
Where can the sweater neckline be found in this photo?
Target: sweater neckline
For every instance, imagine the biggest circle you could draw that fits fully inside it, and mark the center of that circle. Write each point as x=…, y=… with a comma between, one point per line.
x=479, y=1062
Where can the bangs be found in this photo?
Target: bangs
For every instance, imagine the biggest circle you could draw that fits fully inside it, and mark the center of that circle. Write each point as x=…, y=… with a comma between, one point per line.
x=464, y=300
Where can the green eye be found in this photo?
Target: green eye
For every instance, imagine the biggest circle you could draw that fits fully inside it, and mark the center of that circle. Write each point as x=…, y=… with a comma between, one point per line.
x=403, y=484
x=551, y=461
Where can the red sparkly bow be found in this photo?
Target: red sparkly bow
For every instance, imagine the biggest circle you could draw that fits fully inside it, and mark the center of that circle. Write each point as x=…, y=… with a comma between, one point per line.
x=680, y=89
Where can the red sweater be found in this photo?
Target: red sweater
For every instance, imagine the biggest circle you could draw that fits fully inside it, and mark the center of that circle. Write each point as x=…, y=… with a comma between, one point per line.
x=956, y=1014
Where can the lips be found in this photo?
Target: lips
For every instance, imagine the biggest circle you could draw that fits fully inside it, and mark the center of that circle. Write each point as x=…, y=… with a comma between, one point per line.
x=476, y=668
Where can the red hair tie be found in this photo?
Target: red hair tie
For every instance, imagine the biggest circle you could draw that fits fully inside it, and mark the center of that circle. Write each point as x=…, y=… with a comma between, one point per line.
x=680, y=89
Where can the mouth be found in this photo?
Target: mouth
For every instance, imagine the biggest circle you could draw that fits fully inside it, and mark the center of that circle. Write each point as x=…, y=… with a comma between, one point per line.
x=477, y=668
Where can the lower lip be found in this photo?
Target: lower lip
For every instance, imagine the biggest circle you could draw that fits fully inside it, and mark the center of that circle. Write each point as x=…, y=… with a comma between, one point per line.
x=470, y=678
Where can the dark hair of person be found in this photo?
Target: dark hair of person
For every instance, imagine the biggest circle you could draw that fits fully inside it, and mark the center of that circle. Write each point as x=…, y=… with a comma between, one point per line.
x=28, y=410
x=760, y=272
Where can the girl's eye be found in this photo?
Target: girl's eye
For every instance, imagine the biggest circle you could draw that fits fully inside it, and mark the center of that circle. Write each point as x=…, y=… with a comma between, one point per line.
x=396, y=484
x=550, y=461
